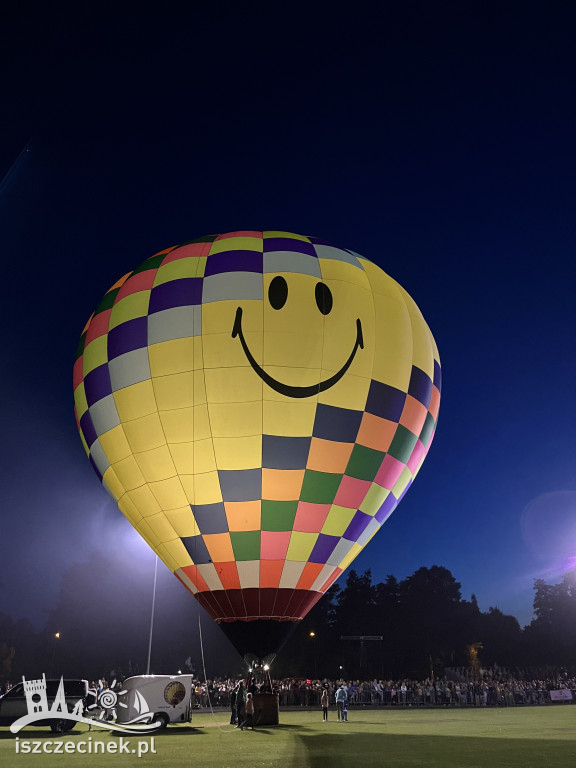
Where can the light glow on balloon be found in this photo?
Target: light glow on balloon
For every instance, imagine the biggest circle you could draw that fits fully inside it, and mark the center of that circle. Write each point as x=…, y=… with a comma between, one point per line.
x=258, y=403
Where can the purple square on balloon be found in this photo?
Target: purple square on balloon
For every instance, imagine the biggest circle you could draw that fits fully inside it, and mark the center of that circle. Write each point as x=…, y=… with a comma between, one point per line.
x=176, y=293
x=87, y=427
x=386, y=509
x=234, y=261
x=133, y=334
x=288, y=244
x=420, y=386
x=357, y=525
x=323, y=548
x=97, y=384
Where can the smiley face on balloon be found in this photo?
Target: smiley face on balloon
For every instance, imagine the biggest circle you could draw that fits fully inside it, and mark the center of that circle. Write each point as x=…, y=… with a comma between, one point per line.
x=258, y=403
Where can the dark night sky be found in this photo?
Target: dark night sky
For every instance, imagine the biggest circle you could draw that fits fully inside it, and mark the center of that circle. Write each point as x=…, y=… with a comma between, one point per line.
x=436, y=139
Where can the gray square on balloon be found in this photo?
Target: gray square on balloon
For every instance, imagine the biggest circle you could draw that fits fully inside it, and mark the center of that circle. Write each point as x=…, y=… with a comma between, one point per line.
x=240, y=484
x=289, y=261
x=236, y=286
x=340, y=551
x=129, y=368
x=210, y=518
x=175, y=323
x=368, y=532
x=99, y=457
x=104, y=415
x=329, y=252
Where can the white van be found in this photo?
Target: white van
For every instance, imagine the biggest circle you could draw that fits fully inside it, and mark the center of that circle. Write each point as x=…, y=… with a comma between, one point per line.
x=155, y=698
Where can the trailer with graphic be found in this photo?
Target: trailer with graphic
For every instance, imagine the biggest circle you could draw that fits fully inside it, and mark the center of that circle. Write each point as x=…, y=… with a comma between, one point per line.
x=160, y=699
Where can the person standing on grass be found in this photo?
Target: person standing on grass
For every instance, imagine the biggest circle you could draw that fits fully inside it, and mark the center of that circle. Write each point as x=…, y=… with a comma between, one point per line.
x=249, y=712
x=341, y=696
x=233, y=695
x=324, y=703
x=240, y=703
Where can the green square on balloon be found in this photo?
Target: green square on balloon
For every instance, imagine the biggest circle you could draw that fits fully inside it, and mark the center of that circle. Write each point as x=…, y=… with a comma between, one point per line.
x=364, y=463
x=152, y=263
x=319, y=487
x=108, y=301
x=427, y=430
x=246, y=544
x=278, y=515
x=402, y=444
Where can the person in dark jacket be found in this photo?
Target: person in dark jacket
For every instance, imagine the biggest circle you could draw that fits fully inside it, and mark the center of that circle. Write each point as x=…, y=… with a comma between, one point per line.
x=240, y=703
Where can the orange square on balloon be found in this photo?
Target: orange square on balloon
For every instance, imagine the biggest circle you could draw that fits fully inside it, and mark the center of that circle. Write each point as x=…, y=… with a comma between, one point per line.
x=243, y=515
x=195, y=577
x=219, y=546
x=376, y=432
x=434, y=403
x=270, y=573
x=330, y=580
x=328, y=455
x=282, y=484
x=228, y=575
x=309, y=575
x=413, y=415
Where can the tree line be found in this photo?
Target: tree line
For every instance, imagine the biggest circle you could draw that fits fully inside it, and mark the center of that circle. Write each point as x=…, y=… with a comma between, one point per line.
x=392, y=629
x=419, y=626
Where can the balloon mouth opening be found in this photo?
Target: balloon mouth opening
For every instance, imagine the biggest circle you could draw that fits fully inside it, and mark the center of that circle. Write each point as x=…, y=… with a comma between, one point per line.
x=258, y=621
x=260, y=638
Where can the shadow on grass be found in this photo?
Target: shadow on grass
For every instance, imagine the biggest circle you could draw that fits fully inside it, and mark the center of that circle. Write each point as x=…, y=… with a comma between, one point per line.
x=96, y=730
x=28, y=733
x=377, y=750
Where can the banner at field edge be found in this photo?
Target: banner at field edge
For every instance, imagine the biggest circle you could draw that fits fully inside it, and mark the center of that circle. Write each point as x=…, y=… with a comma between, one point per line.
x=564, y=694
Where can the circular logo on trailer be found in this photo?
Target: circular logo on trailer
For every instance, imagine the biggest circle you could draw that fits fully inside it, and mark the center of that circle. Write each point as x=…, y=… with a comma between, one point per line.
x=174, y=693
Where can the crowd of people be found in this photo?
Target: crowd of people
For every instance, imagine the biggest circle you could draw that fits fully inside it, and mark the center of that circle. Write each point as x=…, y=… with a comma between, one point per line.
x=465, y=689
x=462, y=687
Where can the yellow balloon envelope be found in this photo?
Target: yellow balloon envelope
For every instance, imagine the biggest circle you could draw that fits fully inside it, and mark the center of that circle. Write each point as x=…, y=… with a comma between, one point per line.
x=258, y=403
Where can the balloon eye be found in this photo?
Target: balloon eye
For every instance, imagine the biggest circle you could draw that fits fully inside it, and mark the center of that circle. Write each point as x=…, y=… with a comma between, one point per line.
x=323, y=298
x=278, y=292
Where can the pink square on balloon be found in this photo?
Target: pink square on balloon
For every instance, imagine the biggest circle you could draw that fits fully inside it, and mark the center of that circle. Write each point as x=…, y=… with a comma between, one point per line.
x=351, y=492
x=418, y=453
x=192, y=250
x=274, y=544
x=141, y=281
x=240, y=233
x=98, y=326
x=389, y=472
x=310, y=517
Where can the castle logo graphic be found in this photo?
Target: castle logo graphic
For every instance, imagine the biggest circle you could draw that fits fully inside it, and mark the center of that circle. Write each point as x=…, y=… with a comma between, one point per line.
x=39, y=709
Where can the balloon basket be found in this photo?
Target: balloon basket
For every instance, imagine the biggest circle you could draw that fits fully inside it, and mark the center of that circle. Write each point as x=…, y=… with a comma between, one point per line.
x=266, y=709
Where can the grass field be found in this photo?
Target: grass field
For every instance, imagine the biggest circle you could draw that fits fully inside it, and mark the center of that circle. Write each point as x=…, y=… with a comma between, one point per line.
x=539, y=737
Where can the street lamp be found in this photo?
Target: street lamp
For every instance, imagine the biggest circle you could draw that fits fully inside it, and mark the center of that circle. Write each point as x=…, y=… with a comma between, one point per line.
x=56, y=637
x=313, y=636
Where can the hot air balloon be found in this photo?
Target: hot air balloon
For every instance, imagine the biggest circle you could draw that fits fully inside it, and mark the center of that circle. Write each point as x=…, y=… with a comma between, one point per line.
x=258, y=403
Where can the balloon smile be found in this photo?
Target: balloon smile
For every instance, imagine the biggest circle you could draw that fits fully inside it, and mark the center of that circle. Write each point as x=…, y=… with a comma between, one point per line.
x=287, y=389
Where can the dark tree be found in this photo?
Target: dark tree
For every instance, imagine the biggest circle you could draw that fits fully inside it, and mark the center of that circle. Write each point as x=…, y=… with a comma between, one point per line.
x=550, y=635
x=430, y=601
x=501, y=639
